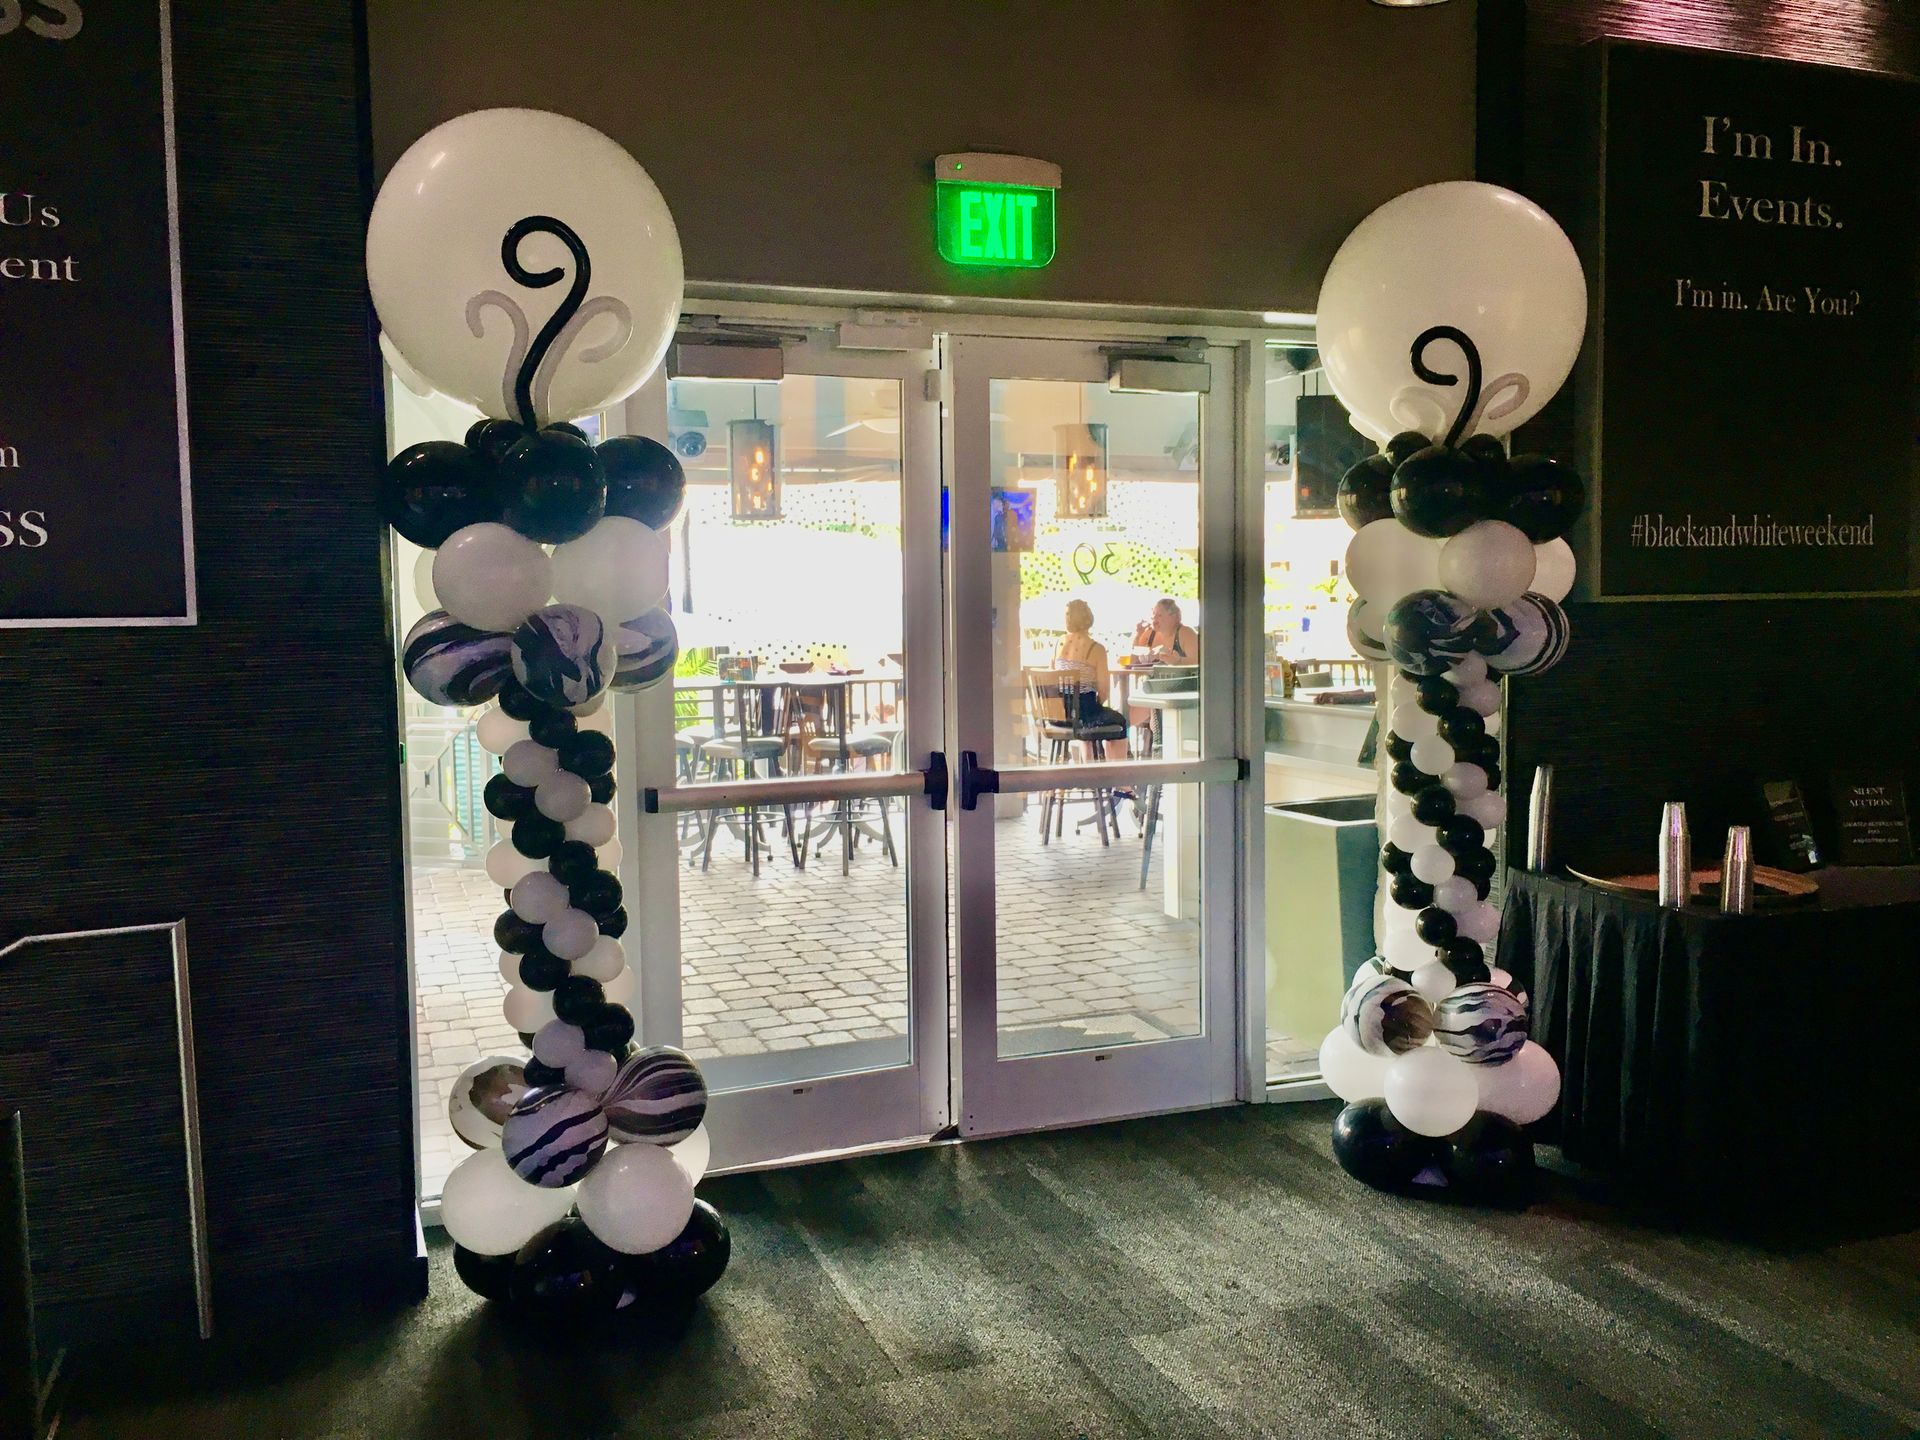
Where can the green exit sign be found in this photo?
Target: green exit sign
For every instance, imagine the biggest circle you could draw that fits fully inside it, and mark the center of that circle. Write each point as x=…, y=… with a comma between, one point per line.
x=1006, y=226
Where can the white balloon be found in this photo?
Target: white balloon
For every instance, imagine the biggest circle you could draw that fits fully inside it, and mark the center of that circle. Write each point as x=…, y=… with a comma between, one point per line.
x=1434, y=981
x=593, y=825
x=618, y=569
x=1455, y=894
x=1397, y=805
x=695, y=1153
x=538, y=897
x=1385, y=560
x=1433, y=755
x=439, y=282
x=492, y=1211
x=491, y=577
x=1553, y=569
x=1405, y=950
x=528, y=762
x=1409, y=834
x=1482, y=697
x=609, y=856
x=405, y=374
x=604, y=961
x=1493, y=722
x=1428, y=1091
x=1464, y=780
x=1350, y=1072
x=506, y=866
x=559, y=1044
x=509, y=967
x=1459, y=253
x=527, y=1010
x=1499, y=976
x=636, y=1199
x=1524, y=1089
x=620, y=989
x=593, y=1072
x=1470, y=669
x=498, y=731
x=570, y=934
x=1432, y=864
x=1490, y=809
x=1410, y=722
x=1481, y=923
x=423, y=582
x=562, y=796
x=1487, y=564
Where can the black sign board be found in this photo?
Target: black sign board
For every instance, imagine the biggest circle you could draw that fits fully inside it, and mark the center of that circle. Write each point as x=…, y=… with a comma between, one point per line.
x=1325, y=447
x=95, y=524
x=1749, y=402
x=1870, y=819
x=1788, y=834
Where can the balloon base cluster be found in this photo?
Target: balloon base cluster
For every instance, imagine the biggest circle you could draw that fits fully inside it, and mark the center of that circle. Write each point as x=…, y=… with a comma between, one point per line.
x=1488, y=1161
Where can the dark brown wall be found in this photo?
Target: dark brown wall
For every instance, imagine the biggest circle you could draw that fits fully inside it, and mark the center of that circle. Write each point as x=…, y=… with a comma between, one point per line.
x=1691, y=701
x=244, y=772
x=1215, y=154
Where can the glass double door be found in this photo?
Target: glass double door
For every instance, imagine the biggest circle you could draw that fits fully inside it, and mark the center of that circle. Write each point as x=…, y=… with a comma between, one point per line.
x=946, y=842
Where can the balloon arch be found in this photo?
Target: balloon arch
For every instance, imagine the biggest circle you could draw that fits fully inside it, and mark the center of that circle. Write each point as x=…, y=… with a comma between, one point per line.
x=549, y=573
x=1460, y=563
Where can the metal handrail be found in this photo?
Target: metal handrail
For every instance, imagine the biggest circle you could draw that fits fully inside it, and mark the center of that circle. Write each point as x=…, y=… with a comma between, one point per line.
x=1105, y=774
x=784, y=790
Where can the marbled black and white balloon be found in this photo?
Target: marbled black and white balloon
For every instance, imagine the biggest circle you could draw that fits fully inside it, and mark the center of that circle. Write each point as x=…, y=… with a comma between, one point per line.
x=1359, y=615
x=659, y=1096
x=648, y=645
x=1529, y=636
x=454, y=664
x=1385, y=1016
x=563, y=654
x=483, y=1097
x=554, y=1136
x=1429, y=631
x=1483, y=1024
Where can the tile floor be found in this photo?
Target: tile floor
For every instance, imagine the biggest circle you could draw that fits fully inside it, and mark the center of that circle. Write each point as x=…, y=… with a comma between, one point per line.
x=808, y=957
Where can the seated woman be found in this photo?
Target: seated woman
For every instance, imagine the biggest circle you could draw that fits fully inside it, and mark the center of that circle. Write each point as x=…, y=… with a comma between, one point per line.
x=1079, y=651
x=1171, y=642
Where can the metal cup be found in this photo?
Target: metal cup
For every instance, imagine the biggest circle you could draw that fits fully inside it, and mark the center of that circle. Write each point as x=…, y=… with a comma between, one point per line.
x=1540, y=821
x=1676, y=857
x=1736, y=872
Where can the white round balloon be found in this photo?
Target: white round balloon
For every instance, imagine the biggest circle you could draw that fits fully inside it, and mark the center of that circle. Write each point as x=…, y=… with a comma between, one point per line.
x=1487, y=564
x=618, y=569
x=637, y=1198
x=527, y=1010
x=498, y=732
x=1432, y=864
x=1553, y=569
x=604, y=961
x=538, y=897
x=1433, y=755
x=594, y=825
x=492, y=1211
x=1430, y=1092
x=1462, y=253
x=562, y=796
x=570, y=934
x=528, y=762
x=506, y=866
x=694, y=1154
x=1350, y=1072
x=490, y=576
x=445, y=296
x=1385, y=560
x=1524, y=1089
x=423, y=582
x=1434, y=981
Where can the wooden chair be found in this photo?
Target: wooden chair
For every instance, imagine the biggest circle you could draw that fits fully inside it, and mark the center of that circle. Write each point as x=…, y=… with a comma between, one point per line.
x=1054, y=712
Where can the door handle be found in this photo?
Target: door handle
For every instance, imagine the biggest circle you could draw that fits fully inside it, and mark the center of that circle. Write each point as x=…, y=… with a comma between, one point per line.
x=936, y=786
x=976, y=780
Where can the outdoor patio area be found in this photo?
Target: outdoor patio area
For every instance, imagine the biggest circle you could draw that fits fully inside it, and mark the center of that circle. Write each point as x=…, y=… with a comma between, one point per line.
x=795, y=958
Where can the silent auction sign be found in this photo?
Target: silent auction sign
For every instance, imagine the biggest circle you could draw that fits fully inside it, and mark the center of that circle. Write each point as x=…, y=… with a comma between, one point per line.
x=1754, y=422
x=95, y=524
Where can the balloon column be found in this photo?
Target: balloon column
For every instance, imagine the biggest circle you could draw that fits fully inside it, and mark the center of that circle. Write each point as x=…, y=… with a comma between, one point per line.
x=1460, y=564
x=549, y=576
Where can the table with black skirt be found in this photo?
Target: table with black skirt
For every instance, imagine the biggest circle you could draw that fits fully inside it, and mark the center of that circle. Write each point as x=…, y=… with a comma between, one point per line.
x=1737, y=1064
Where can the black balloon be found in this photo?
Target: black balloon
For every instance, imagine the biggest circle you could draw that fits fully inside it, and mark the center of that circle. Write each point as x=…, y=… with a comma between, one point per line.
x=491, y=439
x=1406, y=444
x=513, y=934
x=1433, y=805
x=615, y=924
x=587, y=754
x=564, y=1274
x=1439, y=492
x=1485, y=450
x=1483, y=751
x=1366, y=492
x=1460, y=725
x=1456, y=836
x=536, y=837
x=1377, y=1149
x=1461, y=951
x=1396, y=860
x=488, y=1276
x=608, y=1028
x=1542, y=497
x=552, y=488
x=578, y=998
x=541, y=969
x=598, y=894
x=1435, y=926
x=428, y=491
x=554, y=728
x=1410, y=892
x=1489, y=1161
x=1408, y=778
x=515, y=700
x=1492, y=770
x=572, y=861
x=567, y=427
x=506, y=799
x=538, y=1073
x=1436, y=694
x=683, y=1269
x=1399, y=747
x=1475, y=864
x=644, y=480
x=600, y=788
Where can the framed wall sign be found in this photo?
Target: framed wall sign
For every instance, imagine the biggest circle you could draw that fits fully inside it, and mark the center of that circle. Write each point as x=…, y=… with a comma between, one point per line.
x=1870, y=818
x=1749, y=401
x=95, y=505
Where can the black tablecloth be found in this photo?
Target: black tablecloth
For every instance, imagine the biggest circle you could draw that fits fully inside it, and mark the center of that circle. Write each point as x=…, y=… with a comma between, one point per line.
x=1731, y=1060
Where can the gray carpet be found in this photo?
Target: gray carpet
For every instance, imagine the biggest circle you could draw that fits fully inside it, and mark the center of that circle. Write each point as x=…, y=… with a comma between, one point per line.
x=1195, y=1275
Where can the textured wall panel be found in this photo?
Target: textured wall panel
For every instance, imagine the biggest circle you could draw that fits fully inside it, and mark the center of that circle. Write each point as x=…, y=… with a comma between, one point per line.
x=243, y=773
